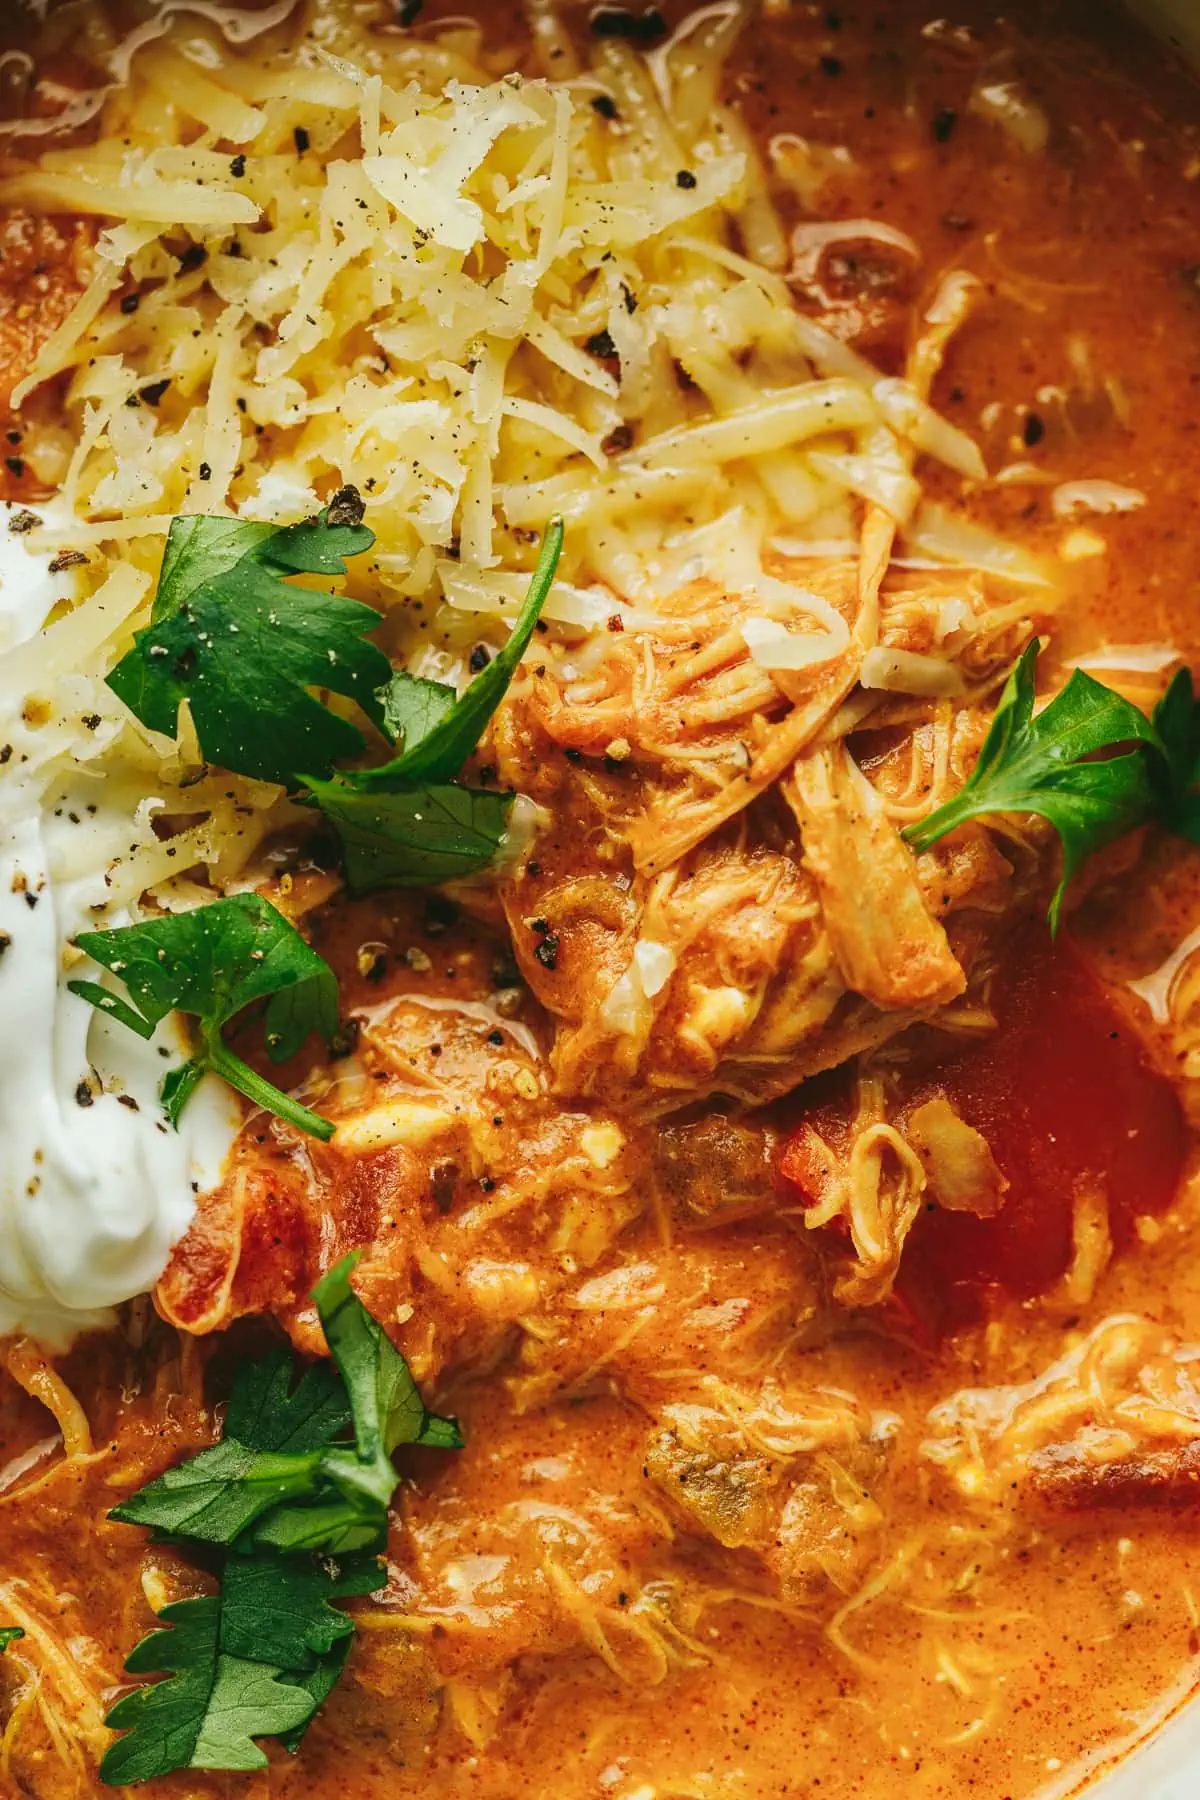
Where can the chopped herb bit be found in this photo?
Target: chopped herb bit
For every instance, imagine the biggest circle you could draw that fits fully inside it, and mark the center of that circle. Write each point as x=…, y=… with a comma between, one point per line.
x=230, y=636
x=9, y=1635
x=258, y=1658
x=407, y=823
x=605, y=105
x=300, y=139
x=944, y=122
x=600, y=344
x=237, y=167
x=417, y=836
x=130, y=302
x=684, y=178
x=211, y=964
x=1051, y=765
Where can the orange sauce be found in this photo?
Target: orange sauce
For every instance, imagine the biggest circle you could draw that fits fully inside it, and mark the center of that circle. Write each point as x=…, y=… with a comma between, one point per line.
x=965, y=1652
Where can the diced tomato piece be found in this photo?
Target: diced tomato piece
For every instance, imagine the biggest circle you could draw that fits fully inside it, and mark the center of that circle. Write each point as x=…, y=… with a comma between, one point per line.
x=1067, y=1094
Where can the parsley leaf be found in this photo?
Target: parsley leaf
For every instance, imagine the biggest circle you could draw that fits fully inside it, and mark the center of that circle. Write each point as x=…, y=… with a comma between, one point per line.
x=387, y=1405
x=1037, y=765
x=266, y=1412
x=413, y=707
x=445, y=734
x=212, y=963
x=276, y=1609
x=1177, y=721
x=407, y=823
x=257, y=1659
x=415, y=837
x=208, y=1711
x=282, y=1461
x=215, y=1496
x=8, y=1635
x=244, y=648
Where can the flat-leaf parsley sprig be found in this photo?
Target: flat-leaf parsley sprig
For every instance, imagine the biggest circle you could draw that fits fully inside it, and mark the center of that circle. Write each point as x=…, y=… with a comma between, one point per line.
x=244, y=647
x=408, y=822
x=1090, y=763
x=295, y=1497
x=211, y=964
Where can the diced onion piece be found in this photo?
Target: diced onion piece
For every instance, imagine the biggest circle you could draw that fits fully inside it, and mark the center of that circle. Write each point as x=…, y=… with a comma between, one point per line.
x=1074, y=497
x=962, y=1173
x=1006, y=104
x=773, y=646
x=626, y=1005
x=908, y=672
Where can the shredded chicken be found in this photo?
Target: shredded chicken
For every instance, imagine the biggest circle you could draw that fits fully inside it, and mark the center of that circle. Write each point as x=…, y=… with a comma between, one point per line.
x=959, y=1166
x=888, y=945
x=1116, y=1420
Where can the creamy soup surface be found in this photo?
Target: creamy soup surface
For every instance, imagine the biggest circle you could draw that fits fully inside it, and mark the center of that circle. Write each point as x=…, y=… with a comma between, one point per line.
x=817, y=1306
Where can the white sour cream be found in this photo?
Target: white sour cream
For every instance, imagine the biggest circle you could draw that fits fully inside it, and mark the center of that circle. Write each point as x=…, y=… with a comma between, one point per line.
x=95, y=1186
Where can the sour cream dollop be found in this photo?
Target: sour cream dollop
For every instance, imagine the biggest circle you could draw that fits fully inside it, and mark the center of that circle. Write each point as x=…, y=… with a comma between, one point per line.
x=95, y=1186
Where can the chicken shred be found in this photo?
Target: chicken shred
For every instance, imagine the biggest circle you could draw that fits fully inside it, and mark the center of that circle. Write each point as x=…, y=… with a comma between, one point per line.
x=888, y=944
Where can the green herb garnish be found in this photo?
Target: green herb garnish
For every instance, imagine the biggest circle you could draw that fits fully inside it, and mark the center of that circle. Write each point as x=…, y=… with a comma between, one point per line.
x=212, y=963
x=244, y=647
x=1090, y=763
x=415, y=837
x=8, y=1635
x=1177, y=721
x=407, y=823
x=259, y=1657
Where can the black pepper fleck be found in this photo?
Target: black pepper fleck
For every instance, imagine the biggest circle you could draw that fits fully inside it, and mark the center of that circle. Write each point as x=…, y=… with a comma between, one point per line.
x=346, y=507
